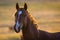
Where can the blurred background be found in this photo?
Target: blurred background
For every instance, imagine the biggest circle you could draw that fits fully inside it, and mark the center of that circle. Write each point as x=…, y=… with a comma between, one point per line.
x=46, y=13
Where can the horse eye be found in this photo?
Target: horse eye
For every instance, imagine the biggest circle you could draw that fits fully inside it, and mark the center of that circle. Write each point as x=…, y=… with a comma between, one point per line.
x=15, y=15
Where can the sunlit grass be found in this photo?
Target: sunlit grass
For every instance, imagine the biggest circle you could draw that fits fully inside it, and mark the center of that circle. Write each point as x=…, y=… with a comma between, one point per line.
x=40, y=6
x=10, y=36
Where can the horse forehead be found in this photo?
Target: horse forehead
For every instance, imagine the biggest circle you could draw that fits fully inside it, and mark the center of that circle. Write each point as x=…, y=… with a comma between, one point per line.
x=19, y=12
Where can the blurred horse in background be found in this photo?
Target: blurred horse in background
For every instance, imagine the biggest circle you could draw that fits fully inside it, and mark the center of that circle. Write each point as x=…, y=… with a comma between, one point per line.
x=25, y=21
x=11, y=29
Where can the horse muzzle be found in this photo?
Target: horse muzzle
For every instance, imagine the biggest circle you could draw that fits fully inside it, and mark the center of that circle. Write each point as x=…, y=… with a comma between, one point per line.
x=17, y=28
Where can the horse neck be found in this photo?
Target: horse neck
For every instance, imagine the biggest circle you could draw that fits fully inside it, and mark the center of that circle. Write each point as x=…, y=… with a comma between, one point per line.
x=31, y=28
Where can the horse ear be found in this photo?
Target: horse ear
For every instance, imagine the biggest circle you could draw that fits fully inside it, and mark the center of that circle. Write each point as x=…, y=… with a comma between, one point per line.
x=17, y=6
x=25, y=6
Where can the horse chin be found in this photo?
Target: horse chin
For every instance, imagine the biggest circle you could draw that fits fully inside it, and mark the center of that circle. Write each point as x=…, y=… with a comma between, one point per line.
x=17, y=30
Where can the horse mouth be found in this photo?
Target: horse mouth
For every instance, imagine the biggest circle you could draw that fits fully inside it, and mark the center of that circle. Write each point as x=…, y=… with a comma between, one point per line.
x=17, y=29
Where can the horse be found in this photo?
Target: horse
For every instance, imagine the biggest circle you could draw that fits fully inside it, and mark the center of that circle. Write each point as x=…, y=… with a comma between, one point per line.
x=11, y=29
x=24, y=21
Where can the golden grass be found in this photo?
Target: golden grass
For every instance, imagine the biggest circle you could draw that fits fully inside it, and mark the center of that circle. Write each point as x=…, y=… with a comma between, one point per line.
x=10, y=36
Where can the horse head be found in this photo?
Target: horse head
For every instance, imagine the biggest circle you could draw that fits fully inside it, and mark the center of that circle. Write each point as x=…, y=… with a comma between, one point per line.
x=20, y=17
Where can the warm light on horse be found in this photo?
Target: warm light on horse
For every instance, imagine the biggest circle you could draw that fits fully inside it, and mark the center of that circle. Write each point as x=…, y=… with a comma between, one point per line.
x=24, y=21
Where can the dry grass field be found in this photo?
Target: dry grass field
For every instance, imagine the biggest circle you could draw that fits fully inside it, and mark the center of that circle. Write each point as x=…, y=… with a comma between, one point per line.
x=46, y=14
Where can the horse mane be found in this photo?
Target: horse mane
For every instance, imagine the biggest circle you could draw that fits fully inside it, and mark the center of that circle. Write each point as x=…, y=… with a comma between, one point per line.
x=33, y=19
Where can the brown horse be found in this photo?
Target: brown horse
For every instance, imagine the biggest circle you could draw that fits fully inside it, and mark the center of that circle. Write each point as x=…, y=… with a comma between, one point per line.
x=24, y=21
